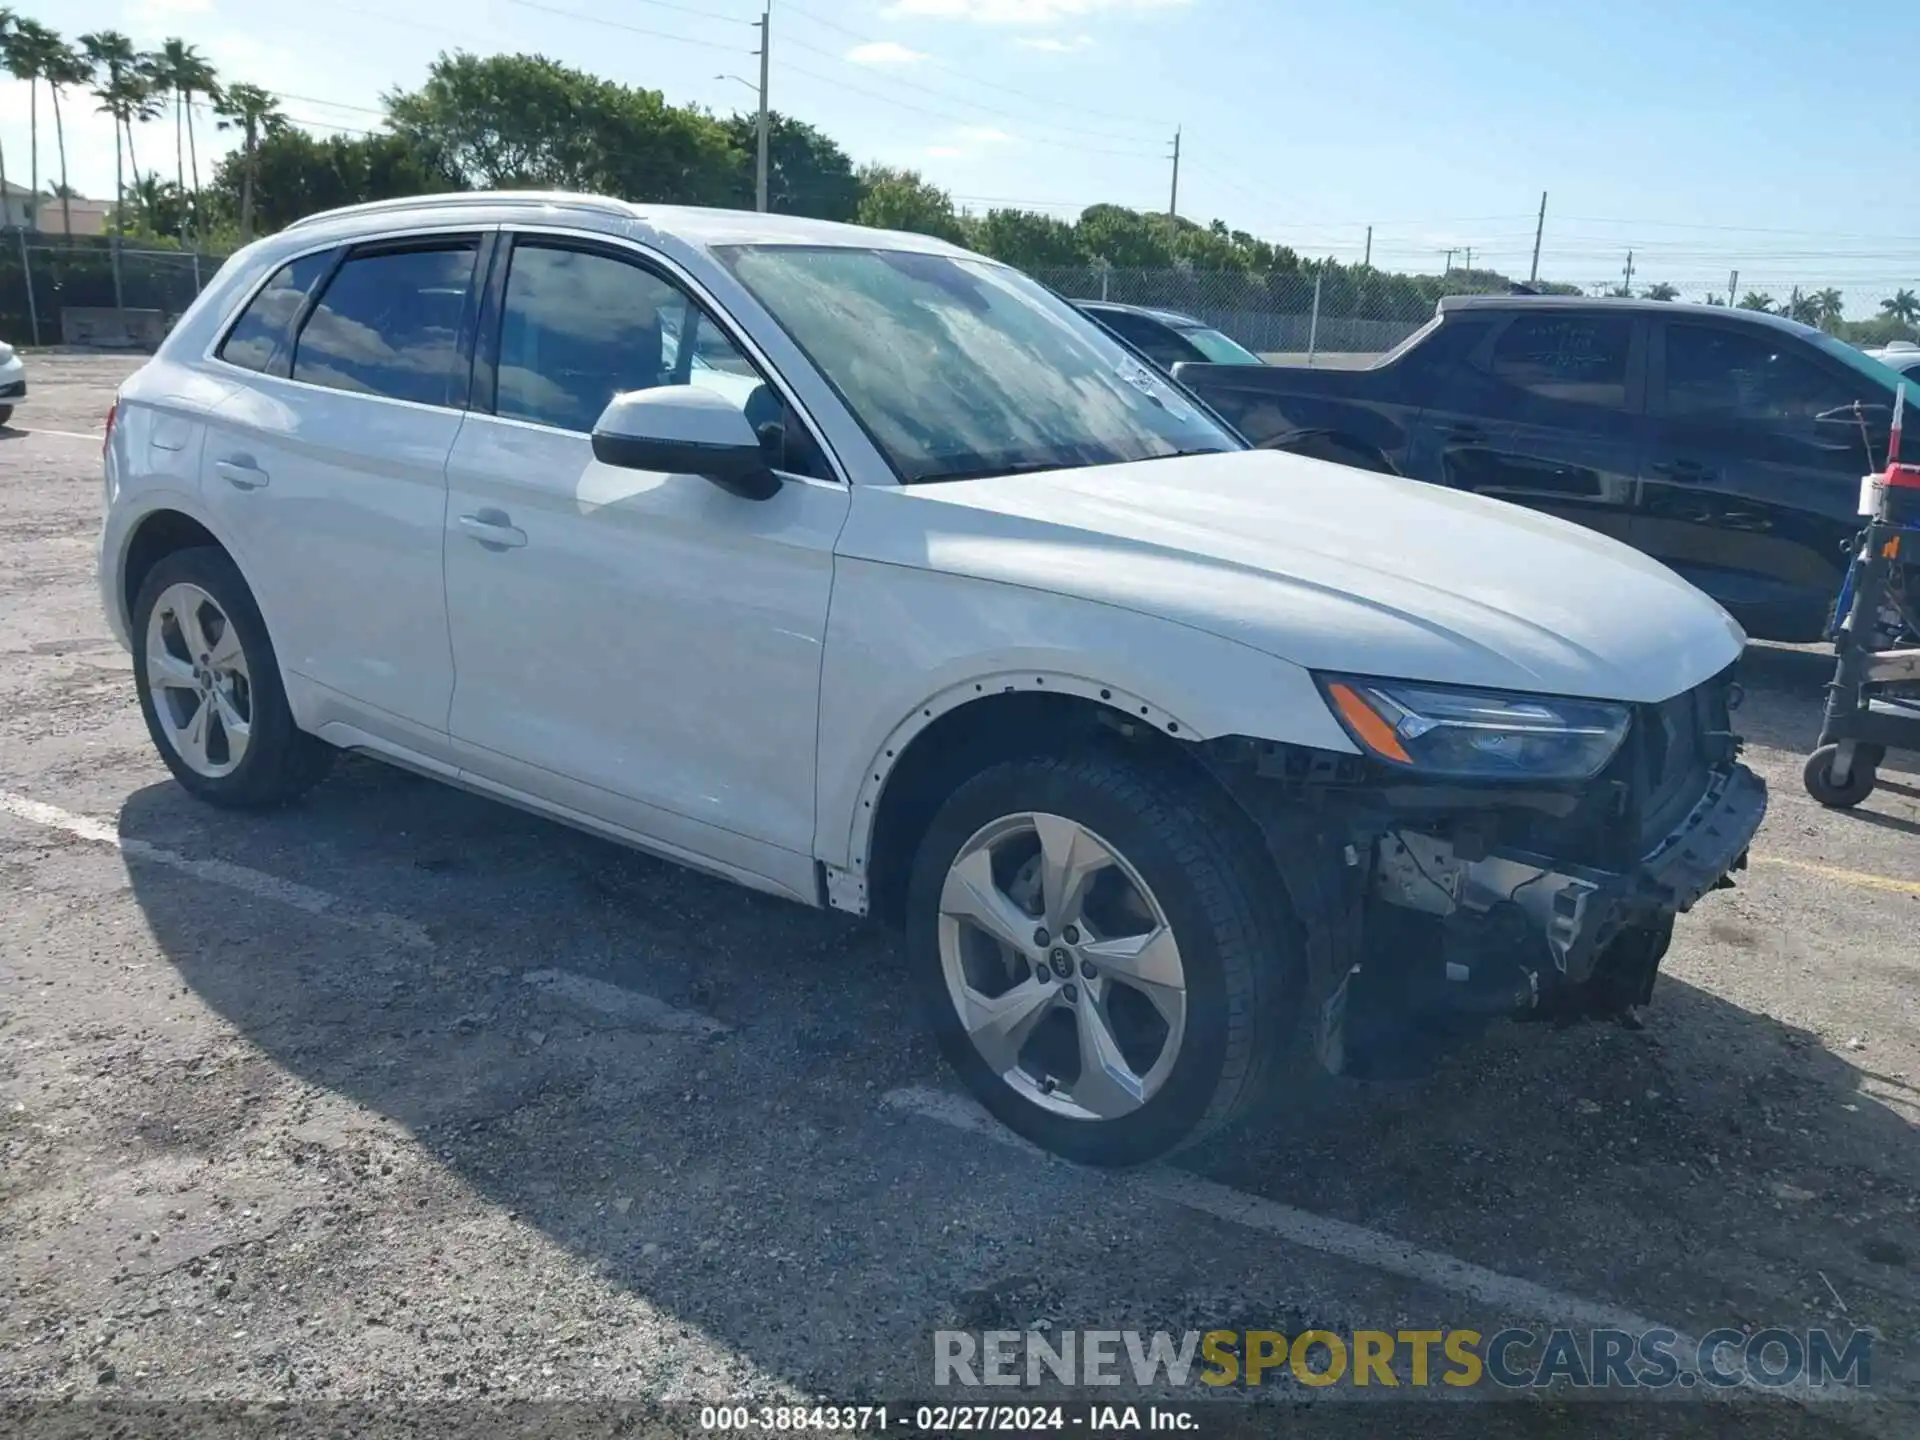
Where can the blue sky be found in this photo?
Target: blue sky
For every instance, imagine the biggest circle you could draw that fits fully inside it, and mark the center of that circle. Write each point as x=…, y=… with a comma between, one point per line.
x=1707, y=136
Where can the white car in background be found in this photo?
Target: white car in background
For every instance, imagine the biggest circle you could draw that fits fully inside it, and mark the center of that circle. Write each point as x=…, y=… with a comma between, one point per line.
x=1901, y=355
x=13, y=381
x=868, y=572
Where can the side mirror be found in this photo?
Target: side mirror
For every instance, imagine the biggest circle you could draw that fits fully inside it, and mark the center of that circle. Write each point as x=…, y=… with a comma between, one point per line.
x=684, y=430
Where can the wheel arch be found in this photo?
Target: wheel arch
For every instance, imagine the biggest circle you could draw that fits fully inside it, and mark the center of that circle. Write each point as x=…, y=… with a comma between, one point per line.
x=958, y=732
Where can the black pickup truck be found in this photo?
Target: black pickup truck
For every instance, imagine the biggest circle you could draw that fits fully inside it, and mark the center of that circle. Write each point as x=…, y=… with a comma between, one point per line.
x=1722, y=442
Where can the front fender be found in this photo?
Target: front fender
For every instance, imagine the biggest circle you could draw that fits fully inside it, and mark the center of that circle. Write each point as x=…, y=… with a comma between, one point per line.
x=906, y=646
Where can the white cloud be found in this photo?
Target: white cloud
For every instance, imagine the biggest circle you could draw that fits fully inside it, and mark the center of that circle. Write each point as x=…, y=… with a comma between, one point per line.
x=884, y=52
x=1020, y=12
x=1053, y=44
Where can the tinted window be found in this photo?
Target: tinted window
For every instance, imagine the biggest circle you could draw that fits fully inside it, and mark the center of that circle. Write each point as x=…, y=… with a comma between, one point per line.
x=1152, y=339
x=263, y=335
x=1573, y=359
x=1741, y=375
x=389, y=324
x=578, y=328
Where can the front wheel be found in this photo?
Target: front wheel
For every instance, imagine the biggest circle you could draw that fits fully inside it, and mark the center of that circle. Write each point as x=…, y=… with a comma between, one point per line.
x=6, y=414
x=1101, y=963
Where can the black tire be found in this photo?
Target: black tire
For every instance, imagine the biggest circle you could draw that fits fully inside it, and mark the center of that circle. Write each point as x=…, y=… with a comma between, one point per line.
x=1238, y=948
x=1861, y=777
x=282, y=762
x=6, y=414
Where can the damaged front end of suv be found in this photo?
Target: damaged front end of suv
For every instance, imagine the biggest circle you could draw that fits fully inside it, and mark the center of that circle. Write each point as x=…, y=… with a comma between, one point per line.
x=1491, y=854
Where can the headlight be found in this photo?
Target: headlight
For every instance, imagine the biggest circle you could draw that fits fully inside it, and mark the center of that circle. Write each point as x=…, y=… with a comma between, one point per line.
x=1478, y=734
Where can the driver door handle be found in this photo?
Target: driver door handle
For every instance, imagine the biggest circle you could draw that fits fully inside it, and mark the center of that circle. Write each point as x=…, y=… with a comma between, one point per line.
x=494, y=529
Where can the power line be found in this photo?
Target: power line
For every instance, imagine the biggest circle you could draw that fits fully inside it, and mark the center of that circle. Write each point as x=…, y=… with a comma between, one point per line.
x=629, y=29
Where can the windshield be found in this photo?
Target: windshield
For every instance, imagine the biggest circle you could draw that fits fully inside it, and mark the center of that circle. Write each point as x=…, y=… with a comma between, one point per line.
x=958, y=367
x=1220, y=349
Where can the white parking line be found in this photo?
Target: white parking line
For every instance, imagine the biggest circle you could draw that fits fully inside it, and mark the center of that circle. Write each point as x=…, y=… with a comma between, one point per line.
x=220, y=872
x=1508, y=1294
x=97, y=436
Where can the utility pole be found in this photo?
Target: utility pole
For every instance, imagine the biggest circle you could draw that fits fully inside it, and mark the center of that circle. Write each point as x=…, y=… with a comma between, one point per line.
x=1469, y=257
x=1173, y=199
x=1539, y=229
x=760, y=159
x=1627, y=289
x=1449, y=270
x=1733, y=287
x=1367, y=263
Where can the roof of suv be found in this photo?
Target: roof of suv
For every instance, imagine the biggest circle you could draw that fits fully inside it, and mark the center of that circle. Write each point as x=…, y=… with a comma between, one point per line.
x=1630, y=305
x=693, y=224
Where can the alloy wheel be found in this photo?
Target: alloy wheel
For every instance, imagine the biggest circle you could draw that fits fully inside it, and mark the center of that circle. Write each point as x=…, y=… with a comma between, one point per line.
x=197, y=677
x=1062, y=966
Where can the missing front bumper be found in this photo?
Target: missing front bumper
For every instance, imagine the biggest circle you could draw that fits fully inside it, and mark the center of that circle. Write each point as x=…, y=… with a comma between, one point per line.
x=1492, y=903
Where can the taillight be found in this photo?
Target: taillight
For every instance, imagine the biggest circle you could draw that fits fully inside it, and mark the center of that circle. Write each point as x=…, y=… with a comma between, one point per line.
x=107, y=439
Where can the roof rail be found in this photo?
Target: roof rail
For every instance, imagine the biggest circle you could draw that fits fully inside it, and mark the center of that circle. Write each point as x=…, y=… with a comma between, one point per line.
x=530, y=198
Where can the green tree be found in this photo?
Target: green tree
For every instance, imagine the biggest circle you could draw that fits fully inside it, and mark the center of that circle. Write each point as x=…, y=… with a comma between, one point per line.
x=1903, y=306
x=1027, y=239
x=125, y=91
x=31, y=52
x=7, y=21
x=1125, y=239
x=287, y=174
x=1826, y=307
x=807, y=173
x=1757, y=300
x=1662, y=291
x=1802, y=307
x=63, y=69
x=895, y=199
x=524, y=120
x=182, y=71
x=256, y=114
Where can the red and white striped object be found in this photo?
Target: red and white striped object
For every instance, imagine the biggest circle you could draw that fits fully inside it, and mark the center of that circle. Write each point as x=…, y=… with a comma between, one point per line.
x=1893, y=433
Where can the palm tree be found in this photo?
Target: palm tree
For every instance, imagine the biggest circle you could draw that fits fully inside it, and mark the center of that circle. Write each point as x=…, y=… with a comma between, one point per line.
x=1903, y=306
x=1802, y=307
x=181, y=69
x=1757, y=300
x=7, y=18
x=62, y=69
x=257, y=114
x=28, y=48
x=124, y=91
x=1662, y=291
x=1827, y=305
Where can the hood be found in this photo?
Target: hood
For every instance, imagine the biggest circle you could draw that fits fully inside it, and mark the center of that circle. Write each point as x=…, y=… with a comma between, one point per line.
x=1331, y=568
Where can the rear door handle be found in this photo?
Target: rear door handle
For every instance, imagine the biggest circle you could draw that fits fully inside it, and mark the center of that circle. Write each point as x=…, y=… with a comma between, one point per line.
x=1467, y=434
x=241, y=472
x=494, y=529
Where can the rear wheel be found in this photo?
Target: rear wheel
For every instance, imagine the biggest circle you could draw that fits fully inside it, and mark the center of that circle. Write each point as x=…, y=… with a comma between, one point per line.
x=6, y=414
x=1098, y=959
x=209, y=686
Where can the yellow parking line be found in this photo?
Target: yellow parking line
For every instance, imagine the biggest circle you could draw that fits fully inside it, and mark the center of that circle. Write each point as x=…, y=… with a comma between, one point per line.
x=1864, y=878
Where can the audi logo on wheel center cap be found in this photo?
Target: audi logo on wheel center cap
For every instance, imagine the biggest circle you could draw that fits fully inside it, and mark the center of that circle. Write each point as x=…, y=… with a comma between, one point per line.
x=1062, y=963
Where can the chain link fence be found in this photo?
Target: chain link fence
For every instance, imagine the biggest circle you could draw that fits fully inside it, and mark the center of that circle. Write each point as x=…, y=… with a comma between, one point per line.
x=39, y=281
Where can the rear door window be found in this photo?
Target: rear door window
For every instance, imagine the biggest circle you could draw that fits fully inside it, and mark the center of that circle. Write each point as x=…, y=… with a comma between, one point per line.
x=390, y=324
x=1569, y=359
x=262, y=338
x=1717, y=372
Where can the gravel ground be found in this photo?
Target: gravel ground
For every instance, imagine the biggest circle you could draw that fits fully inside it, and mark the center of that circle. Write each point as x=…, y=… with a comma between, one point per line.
x=332, y=1145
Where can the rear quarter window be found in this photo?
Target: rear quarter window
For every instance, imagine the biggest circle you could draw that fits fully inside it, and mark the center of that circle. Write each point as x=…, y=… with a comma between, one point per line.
x=262, y=338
